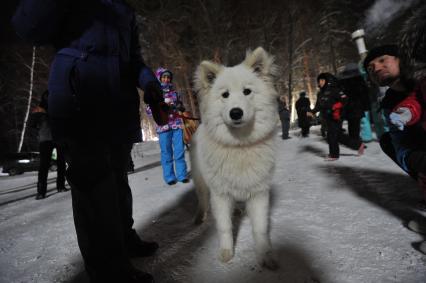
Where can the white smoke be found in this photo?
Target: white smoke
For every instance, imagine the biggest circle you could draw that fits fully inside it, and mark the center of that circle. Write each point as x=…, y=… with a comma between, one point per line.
x=383, y=11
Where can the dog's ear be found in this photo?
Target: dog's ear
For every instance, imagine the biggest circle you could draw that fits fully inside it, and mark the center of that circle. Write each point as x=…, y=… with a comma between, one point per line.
x=260, y=62
x=205, y=75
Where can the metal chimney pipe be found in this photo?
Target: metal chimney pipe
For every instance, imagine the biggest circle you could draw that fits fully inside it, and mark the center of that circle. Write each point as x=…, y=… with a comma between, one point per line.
x=358, y=37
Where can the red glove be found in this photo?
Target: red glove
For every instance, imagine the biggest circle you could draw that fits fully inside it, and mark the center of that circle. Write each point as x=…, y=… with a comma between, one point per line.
x=337, y=110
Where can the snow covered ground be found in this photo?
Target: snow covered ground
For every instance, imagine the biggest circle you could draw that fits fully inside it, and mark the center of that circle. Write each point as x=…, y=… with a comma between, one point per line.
x=337, y=222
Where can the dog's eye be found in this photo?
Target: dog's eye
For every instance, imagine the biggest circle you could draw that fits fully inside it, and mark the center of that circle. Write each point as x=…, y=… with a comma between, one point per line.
x=225, y=94
x=247, y=91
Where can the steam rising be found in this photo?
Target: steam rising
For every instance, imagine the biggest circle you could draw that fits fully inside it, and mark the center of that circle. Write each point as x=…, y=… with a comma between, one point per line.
x=383, y=11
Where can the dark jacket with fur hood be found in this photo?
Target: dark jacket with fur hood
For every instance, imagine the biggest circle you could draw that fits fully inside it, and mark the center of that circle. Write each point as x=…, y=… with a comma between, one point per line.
x=329, y=95
x=412, y=48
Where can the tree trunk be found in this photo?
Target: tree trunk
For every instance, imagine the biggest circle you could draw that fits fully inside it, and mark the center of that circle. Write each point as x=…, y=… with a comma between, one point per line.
x=290, y=65
x=30, y=94
x=189, y=94
x=333, y=57
x=307, y=75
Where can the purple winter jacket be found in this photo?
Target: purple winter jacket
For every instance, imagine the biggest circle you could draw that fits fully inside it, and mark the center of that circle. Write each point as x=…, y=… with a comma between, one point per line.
x=171, y=97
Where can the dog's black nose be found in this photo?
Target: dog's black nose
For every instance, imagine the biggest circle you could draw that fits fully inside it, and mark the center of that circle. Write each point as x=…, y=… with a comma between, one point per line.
x=236, y=113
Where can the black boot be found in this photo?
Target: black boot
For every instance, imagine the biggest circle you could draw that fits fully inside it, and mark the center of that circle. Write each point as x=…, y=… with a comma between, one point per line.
x=61, y=188
x=130, y=275
x=41, y=190
x=138, y=276
x=40, y=196
x=139, y=248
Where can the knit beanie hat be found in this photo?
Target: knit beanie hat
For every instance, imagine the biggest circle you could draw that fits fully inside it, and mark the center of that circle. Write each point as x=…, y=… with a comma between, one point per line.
x=389, y=49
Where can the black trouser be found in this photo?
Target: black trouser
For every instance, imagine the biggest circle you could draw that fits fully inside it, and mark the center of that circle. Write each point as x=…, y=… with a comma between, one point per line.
x=305, y=131
x=102, y=206
x=323, y=122
x=304, y=124
x=285, y=126
x=333, y=131
x=46, y=149
x=335, y=135
x=354, y=127
x=352, y=143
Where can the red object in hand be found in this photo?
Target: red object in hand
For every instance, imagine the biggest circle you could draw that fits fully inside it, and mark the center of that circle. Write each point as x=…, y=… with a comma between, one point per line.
x=38, y=109
x=337, y=110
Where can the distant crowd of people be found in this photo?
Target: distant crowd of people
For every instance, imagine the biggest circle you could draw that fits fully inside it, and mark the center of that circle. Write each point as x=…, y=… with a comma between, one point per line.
x=401, y=68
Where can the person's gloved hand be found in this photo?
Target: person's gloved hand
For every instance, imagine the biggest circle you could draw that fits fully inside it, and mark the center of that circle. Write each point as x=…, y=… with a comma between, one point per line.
x=153, y=96
x=153, y=93
x=400, y=117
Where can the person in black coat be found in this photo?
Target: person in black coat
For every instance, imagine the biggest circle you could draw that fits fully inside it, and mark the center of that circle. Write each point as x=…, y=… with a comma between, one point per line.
x=357, y=103
x=303, y=105
x=40, y=120
x=94, y=114
x=284, y=113
x=330, y=103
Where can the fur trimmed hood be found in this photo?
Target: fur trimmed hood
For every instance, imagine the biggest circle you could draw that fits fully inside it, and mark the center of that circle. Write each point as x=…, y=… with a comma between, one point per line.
x=160, y=71
x=412, y=45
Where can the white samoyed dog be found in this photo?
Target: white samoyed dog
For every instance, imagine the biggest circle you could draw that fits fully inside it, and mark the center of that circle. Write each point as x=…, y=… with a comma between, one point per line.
x=232, y=151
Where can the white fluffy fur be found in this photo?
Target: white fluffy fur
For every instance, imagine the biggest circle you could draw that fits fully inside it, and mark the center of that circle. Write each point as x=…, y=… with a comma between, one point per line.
x=234, y=161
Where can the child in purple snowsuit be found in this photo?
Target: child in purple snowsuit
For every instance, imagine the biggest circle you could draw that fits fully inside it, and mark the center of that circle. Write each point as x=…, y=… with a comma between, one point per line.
x=171, y=134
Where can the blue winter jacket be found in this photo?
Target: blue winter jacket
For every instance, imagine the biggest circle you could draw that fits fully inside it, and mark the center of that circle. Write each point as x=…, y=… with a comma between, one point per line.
x=96, y=69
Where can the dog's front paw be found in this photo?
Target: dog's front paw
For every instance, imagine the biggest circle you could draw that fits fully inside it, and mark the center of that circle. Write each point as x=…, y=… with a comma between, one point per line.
x=268, y=261
x=225, y=255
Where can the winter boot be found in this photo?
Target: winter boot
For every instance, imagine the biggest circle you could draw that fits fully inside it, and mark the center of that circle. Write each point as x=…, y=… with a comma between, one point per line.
x=421, y=180
x=41, y=190
x=422, y=247
x=138, y=276
x=61, y=188
x=40, y=196
x=139, y=248
x=421, y=205
x=330, y=158
x=417, y=226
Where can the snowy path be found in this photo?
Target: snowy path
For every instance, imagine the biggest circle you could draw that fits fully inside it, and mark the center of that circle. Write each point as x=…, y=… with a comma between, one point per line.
x=330, y=222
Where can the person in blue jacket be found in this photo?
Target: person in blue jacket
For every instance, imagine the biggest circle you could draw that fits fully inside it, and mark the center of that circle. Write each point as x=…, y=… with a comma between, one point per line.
x=94, y=114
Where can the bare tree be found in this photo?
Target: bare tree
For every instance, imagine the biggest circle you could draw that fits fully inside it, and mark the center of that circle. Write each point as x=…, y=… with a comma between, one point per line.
x=30, y=95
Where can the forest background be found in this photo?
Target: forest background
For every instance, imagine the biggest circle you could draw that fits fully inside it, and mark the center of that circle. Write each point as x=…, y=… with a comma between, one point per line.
x=305, y=36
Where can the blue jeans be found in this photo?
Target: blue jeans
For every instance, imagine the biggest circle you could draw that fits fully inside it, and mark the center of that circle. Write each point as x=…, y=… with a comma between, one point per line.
x=173, y=155
x=401, y=152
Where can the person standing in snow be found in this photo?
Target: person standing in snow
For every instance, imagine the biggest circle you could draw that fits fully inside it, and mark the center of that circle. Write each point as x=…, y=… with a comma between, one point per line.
x=46, y=146
x=330, y=103
x=357, y=103
x=284, y=114
x=303, y=105
x=171, y=134
x=94, y=114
